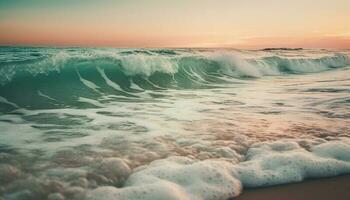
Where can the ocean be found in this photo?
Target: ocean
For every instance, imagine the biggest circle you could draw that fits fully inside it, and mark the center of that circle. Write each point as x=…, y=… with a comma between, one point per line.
x=174, y=124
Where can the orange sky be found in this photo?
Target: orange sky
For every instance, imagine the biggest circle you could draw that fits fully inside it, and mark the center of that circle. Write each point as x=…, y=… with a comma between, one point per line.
x=182, y=23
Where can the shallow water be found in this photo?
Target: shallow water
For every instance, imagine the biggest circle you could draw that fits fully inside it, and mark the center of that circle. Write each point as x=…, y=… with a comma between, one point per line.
x=169, y=124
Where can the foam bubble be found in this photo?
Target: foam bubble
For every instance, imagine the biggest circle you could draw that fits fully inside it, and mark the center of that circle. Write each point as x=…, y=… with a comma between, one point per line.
x=115, y=170
x=267, y=163
x=177, y=178
x=284, y=162
x=8, y=173
x=336, y=149
x=55, y=196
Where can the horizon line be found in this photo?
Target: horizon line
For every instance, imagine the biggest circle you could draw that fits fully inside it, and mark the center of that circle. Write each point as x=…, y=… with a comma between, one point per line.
x=159, y=47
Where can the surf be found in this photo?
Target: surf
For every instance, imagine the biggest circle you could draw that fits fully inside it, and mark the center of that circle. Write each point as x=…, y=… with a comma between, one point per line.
x=96, y=123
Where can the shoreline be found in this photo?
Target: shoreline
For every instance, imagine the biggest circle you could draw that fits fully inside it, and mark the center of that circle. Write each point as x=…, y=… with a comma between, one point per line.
x=337, y=187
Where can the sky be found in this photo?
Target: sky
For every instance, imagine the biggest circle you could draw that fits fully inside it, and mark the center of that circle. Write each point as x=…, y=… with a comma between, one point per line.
x=248, y=24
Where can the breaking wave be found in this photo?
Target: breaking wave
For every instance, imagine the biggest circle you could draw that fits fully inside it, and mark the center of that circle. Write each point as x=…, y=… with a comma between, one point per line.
x=67, y=77
x=153, y=64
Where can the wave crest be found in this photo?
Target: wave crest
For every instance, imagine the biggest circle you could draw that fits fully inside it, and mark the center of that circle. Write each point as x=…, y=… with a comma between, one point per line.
x=147, y=64
x=65, y=76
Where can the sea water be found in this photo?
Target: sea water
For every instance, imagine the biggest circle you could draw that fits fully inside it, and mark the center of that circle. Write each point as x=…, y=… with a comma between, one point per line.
x=174, y=124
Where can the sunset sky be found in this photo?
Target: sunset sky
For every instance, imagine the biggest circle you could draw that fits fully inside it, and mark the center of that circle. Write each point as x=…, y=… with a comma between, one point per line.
x=176, y=23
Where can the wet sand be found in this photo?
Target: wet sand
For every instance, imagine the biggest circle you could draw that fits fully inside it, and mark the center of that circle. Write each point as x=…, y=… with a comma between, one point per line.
x=321, y=189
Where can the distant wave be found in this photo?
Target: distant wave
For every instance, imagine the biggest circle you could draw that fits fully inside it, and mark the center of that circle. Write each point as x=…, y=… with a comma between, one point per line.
x=283, y=48
x=167, y=62
x=66, y=76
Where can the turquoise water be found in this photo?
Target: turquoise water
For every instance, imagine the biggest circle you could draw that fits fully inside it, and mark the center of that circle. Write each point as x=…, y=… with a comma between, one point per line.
x=88, y=123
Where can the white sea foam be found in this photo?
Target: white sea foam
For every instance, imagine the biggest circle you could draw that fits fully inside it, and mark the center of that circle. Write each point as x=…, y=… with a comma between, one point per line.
x=148, y=65
x=87, y=83
x=176, y=178
x=285, y=162
x=5, y=101
x=268, y=163
x=232, y=64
